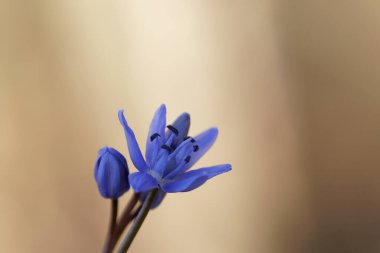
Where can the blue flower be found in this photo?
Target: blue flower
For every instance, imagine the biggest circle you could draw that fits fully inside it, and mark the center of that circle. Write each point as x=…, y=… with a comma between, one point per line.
x=169, y=155
x=111, y=173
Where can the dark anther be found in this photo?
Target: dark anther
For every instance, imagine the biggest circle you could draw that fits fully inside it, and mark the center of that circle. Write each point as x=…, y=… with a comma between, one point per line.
x=195, y=148
x=173, y=129
x=187, y=159
x=154, y=136
x=169, y=149
x=188, y=137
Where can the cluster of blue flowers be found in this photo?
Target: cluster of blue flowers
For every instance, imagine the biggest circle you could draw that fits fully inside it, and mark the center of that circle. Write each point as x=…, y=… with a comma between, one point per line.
x=170, y=153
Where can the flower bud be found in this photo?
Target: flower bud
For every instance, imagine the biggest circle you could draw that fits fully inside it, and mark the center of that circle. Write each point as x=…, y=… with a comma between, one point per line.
x=111, y=173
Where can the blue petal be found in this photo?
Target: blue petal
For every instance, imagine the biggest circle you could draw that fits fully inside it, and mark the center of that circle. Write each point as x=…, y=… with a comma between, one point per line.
x=133, y=147
x=157, y=201
x=172, y=173
x=195, y=178
x=161, y=164
x=117, y=155
x=177, y=160
x=156, y=126
x=182, y=124
x=142, y=182
x=204, y=141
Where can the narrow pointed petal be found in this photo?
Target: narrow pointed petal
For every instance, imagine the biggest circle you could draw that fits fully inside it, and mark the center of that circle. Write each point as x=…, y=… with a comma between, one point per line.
x=204, y=141
x=182, y=125
x=157, y=126
x=161, y=164
x=182, y=151
x=175, y=171
x=178, y=161
x=195, y=178
x=133, y=146
x=142, y=182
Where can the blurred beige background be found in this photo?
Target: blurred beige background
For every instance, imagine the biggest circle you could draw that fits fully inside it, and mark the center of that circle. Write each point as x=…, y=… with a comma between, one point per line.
x=294, y=87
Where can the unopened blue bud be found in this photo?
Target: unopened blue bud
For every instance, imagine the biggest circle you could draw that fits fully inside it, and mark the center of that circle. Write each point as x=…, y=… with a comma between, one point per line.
x=111, y=173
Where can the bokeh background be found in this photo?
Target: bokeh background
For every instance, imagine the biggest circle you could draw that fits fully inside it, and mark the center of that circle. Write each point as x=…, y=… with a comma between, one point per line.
x=294, y=87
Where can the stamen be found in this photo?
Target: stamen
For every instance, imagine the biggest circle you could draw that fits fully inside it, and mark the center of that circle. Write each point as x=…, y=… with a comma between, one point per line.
x=189, y=137
x=154, y=136
x=187, y=159
x=166, y=147
x=195, y=148
x=173, y=129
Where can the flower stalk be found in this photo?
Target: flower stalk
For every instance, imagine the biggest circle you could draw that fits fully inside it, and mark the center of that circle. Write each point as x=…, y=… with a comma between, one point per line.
x=112, y=225
x=127, y=216
x=138, y=221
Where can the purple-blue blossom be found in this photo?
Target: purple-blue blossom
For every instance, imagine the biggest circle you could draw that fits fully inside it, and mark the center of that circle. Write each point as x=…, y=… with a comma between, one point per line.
x=169, y=156
x=111, y=173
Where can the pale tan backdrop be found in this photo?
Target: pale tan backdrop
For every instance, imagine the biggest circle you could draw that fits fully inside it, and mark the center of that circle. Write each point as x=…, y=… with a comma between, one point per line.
x=294, y=87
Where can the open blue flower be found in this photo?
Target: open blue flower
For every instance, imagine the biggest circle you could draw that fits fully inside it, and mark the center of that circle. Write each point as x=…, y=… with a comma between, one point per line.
x=169, y=155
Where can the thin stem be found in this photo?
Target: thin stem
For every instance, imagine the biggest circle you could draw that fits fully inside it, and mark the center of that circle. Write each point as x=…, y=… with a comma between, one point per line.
x=138, y=221
x=135, y=213
x=112, y=225
x=114, y=207
x=124, y=220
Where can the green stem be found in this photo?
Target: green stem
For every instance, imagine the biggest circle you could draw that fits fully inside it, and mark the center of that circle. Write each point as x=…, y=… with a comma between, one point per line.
x=112, y=225
x=138, y=221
